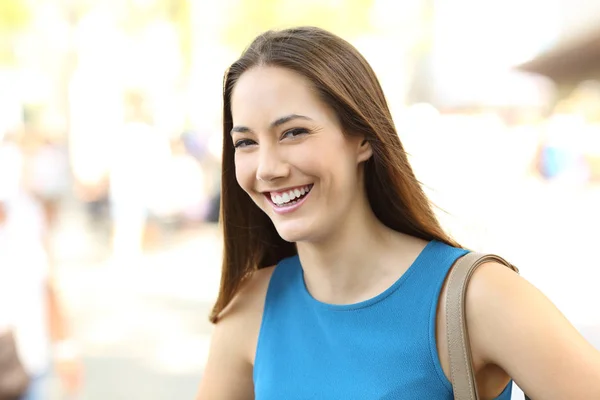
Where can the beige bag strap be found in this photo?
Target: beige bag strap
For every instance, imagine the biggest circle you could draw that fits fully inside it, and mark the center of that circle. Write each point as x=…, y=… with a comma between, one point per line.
x=459, y=349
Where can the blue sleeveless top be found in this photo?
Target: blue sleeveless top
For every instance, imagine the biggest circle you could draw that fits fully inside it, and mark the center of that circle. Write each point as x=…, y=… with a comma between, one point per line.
x=383, y=348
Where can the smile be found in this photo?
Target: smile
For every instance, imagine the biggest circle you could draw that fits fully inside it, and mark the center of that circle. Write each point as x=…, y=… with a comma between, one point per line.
x=289, y=200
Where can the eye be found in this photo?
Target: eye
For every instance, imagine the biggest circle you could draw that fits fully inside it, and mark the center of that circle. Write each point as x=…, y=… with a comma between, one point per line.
x=294, y=133
x=243, y=143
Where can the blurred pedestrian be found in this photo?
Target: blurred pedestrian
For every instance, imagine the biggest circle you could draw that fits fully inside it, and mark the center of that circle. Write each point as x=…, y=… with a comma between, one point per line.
x=182, y=196
x=139, y=154
x=29, y=304
x=48, y=176
x=335, y=267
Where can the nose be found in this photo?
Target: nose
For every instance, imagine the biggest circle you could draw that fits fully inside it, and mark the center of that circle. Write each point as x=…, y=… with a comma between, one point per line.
x=271, y=166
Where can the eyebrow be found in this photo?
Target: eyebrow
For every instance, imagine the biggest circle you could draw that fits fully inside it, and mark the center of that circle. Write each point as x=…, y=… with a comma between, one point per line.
x=274, y=124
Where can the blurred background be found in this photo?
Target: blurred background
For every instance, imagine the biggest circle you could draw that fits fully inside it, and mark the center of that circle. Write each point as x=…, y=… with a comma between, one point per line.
x=110, y=119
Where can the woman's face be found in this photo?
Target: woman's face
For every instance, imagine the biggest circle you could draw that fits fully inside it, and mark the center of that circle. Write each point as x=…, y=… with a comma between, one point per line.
x=291, y=155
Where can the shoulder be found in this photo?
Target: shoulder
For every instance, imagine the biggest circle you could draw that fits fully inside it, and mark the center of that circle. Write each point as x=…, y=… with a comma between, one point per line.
x=228, y=371
x=491, y=280
x=514, y=326
x=250, y=296
x=498, y=296
x=496, y=293
x=245, y=311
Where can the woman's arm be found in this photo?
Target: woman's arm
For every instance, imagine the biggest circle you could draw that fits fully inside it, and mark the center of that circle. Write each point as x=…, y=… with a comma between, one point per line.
x=228, y=372
x=513, y=325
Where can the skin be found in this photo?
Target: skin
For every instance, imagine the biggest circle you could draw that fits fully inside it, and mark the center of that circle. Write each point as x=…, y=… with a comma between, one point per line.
x=515, y=331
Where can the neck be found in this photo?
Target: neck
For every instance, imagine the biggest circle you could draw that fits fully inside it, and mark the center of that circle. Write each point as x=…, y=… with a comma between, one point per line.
x=357, y=261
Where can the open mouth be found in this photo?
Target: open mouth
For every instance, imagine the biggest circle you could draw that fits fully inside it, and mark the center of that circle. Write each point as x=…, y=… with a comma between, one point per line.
x=289, y=197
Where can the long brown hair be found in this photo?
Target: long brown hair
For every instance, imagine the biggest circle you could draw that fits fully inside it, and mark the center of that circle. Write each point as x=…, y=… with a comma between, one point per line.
x=344, y=81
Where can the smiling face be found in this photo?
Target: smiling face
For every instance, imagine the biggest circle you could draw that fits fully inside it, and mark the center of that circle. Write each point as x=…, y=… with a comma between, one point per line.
x=292, y=156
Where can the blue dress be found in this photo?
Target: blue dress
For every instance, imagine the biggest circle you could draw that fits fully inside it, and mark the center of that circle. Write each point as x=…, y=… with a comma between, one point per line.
x=381, y=349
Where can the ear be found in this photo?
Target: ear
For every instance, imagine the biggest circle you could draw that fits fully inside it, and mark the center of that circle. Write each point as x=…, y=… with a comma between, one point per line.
x=365, y=151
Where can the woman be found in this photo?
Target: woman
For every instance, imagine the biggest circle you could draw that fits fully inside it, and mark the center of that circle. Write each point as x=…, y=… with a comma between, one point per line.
x=334, y=264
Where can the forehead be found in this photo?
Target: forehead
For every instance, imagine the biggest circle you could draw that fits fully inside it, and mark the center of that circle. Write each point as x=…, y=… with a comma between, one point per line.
x=265, y=93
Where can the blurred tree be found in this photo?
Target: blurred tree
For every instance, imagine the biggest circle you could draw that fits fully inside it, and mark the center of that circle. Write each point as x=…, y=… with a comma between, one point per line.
x=248, y=18
x=14, y=15
x=14, y=18
x=179, y=13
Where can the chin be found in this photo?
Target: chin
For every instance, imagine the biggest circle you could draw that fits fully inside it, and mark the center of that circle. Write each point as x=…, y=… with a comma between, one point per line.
x=293, y=231
x=292, y=235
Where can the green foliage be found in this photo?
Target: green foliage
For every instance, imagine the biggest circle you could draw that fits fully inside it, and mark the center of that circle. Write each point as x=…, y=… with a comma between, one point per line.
x=14, y=18
x=248, y=18
x=179, y=14
x=14, y=15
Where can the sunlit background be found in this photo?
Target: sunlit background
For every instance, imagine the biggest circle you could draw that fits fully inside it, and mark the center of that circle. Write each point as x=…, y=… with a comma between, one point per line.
x=497, y=102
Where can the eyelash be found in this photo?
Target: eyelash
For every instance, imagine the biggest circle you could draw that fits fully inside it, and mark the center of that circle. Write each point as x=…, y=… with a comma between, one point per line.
x=297, y=131
x=242, y=143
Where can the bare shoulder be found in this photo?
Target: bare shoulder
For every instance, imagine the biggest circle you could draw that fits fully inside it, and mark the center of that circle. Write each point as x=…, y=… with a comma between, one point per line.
x=244, y=313
x=475, y=291
x=228, y=372
x=516, y=327
x=250, y=299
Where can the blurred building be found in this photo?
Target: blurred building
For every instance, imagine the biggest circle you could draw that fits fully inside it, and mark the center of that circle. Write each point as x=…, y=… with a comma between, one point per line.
x=575, y=57
x=468, y=61
x=571, y=144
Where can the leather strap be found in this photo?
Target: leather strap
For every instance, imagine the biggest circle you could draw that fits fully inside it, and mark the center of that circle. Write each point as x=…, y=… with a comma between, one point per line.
x=459, y=348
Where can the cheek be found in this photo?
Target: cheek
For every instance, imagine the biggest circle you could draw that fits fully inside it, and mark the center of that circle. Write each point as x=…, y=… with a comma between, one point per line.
x=244, y=172
x=340, y=172
x=326, y=159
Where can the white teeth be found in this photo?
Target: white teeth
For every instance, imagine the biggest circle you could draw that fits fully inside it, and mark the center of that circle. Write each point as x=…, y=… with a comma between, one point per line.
x=289, y=196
